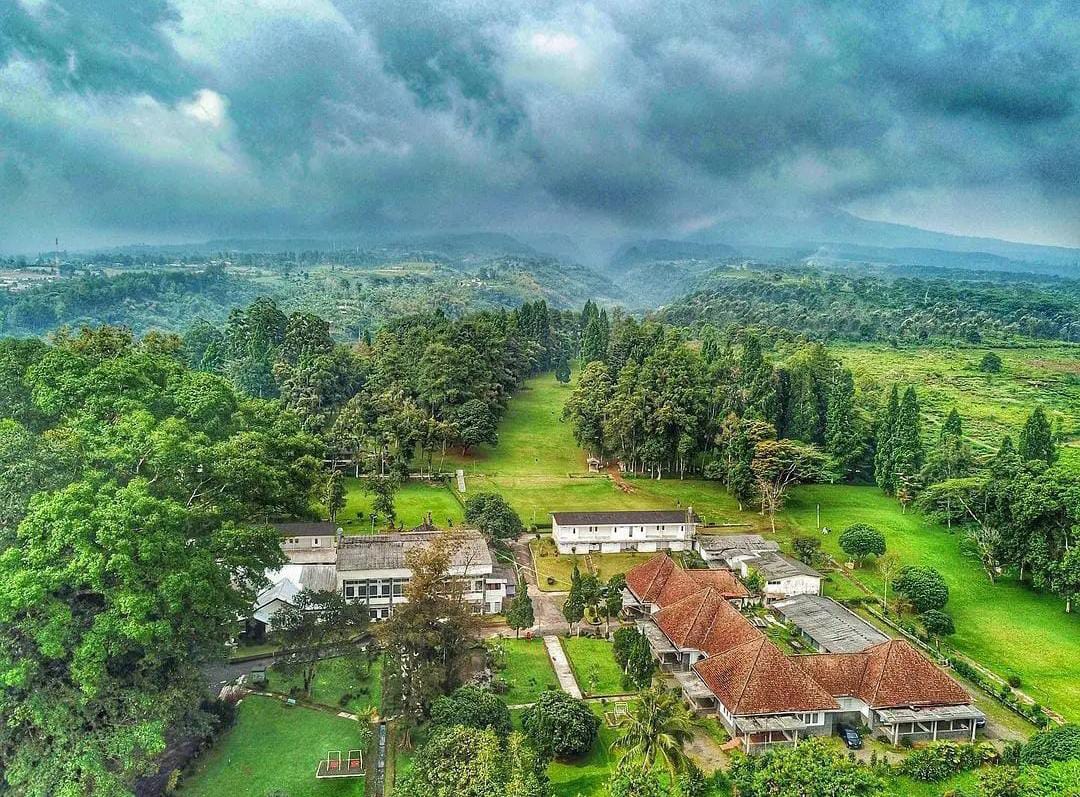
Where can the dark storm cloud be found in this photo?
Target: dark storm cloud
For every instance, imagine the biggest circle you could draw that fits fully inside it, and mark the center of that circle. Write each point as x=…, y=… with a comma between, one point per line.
x=191, y=117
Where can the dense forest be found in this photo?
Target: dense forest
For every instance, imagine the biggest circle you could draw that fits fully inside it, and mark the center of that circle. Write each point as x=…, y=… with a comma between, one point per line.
x=838, y=305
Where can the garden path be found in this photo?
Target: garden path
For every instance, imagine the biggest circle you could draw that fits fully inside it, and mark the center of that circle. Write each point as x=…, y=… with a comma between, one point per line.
x=561, y=664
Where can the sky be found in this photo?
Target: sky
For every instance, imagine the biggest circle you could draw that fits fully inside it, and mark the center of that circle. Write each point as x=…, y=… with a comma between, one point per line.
x=183, y=120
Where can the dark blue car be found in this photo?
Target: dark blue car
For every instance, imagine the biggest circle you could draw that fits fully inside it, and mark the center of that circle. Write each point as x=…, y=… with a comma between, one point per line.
x=850, y=736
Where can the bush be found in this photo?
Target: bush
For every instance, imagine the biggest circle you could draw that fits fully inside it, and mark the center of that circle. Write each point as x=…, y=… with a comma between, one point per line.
x=1015, y=682
x=990, y=363
x=924, y=587
x=550, y=581
x=1056, y=744
x=560, y=726
x=861, y=540
x=345, y=699
x=941, y=760
x=474, y=708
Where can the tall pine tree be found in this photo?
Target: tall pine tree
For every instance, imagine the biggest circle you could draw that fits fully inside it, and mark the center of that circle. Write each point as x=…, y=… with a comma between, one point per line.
x=1037, y=438
x=909, y=455
x=885, y=456
x=842, y=439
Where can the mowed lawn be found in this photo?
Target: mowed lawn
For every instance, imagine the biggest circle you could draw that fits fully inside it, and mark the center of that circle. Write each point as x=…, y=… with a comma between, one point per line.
x=413, y=501
x=270, y=747
x=594, y=665
x=337, y=678
x=1008, y=627
x=533, y=439
x=528, y=671
x=587, y=776
x=561, y=567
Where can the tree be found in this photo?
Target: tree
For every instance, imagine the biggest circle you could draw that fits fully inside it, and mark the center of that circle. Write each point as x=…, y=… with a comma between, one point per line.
x=333, y=494
x=473, y=707
x=813, y=769
x=888, y=565
x=562, y=368
x=586, y=408
x=560, y=726
x=923, y=586
x=860, y=540
x=476, y=423
x=779, y=464
x=428, y=638
x=520, y=614
x=593, y=345
x=843, y=439
x=1037, y=439
x=493, y=516
x=886, y=439
x=990, y=363
x=640, y=664
x=754, y=581
x=1060, y=743
x=622, y=644
x=1066, y=577
x=573, y=607
x=311, y=626
x=658, y=727
x=613, y=600
x=937, y=624
x=111, y=602
x=382, y=489
x=908, y=452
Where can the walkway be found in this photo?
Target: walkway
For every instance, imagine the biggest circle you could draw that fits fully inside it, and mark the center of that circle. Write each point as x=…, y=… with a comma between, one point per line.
x=562, y=667
x=460, y=480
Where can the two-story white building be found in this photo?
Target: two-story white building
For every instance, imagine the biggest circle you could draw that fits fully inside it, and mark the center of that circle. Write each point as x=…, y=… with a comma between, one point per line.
x=372, y=569
x=612, y=532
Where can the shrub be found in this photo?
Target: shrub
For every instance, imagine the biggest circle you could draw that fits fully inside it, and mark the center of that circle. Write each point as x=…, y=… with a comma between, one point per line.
x=941, y=760
x=560, y=726
x=345, y=699
x=861, y=540
x=1015, y=682
x=551, y=581
x=990, y=363
x=1056, y=744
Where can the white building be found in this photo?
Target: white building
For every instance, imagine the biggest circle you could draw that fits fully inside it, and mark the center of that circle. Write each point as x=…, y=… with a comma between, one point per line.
x=783, y=575
x=309, y=542
x=612, y=532
x=372, y=569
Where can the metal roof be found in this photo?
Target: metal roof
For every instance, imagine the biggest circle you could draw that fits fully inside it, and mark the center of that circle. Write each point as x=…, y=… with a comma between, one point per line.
x=891, y=716
x=387, y=551
x=750, y=543
x=773, y=565
x=832, y=627
x=306, y=529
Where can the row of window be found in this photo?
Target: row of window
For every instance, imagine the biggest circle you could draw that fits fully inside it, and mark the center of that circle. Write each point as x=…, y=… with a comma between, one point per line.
x=594, y=529
x=316, y=542
x=359, y=589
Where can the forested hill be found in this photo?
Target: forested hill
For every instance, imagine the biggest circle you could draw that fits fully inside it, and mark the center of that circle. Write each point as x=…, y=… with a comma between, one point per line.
x=858, y=307
x=356, y=291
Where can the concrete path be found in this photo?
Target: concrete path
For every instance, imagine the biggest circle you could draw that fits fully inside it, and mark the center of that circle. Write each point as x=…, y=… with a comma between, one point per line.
x=460, y=480
x=562, y=667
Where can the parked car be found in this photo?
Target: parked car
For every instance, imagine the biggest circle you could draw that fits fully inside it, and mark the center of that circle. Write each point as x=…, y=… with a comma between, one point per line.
x=850, y=736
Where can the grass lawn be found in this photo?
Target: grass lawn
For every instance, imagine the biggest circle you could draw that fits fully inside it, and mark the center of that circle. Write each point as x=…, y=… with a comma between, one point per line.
x=587, y=776
x=335, y=678
x=528, y=671
x=413, y=501
x=1006, y=626
x=532, y=437
x=273, y=746
x=594, y=665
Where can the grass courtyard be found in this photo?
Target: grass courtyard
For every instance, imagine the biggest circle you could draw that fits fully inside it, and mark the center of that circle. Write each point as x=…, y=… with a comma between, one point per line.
x=335, y=679
x=594, y=665
x=528, y=671
x=413, y=501
x=274, y=746
x=560, y=567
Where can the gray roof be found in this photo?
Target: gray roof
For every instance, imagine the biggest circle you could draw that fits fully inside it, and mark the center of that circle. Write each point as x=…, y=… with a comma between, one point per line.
x=773, y=565
x=620, y=517
x=833, y=628
x=306, y=529
x=387, y=551
x=749, y=543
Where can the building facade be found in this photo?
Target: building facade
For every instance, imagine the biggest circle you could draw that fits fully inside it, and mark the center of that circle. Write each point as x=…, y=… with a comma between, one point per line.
x=613, y=532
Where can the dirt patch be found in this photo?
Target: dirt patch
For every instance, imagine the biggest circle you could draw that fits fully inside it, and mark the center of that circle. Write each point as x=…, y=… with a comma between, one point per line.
x=617, y=477
x=1056, y=366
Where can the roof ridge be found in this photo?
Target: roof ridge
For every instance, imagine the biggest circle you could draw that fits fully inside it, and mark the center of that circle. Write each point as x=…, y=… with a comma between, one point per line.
x=760, y=642
x=888, y=645
x=656, y=575
x=704, y=593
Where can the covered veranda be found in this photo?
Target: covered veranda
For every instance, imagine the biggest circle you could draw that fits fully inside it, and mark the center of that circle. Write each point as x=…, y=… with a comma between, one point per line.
x=760, y=733
x=698, y=695
x=930, y=722
x=664, y=649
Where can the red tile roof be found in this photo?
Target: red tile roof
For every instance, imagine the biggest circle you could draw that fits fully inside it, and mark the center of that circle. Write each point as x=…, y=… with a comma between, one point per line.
x=659, y=580
x=888, y=675
x=705, y=621
x=756, y=678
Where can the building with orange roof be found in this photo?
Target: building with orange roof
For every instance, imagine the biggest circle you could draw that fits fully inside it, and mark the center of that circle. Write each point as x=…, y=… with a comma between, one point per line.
x=727, y=667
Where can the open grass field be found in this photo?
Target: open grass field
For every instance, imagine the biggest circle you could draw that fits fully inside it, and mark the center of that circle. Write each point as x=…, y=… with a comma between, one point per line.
x=528, y=671
x=273, y=747
x=334, y=679
x=1006, y=626
x=992, y=405
x=587, y=776
x=549, y=565
x=413, y=501
x=594, y=665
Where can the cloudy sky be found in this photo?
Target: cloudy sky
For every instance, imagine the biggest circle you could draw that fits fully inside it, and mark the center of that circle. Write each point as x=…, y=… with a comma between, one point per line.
x=173, y=120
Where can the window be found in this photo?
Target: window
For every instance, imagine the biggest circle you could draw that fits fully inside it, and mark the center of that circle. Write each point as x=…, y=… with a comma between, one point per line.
x=316, y=542
x=399, y=588
x=353, y=590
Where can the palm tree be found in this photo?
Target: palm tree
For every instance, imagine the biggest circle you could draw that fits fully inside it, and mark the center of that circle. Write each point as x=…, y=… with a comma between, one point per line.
x=658, y=727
